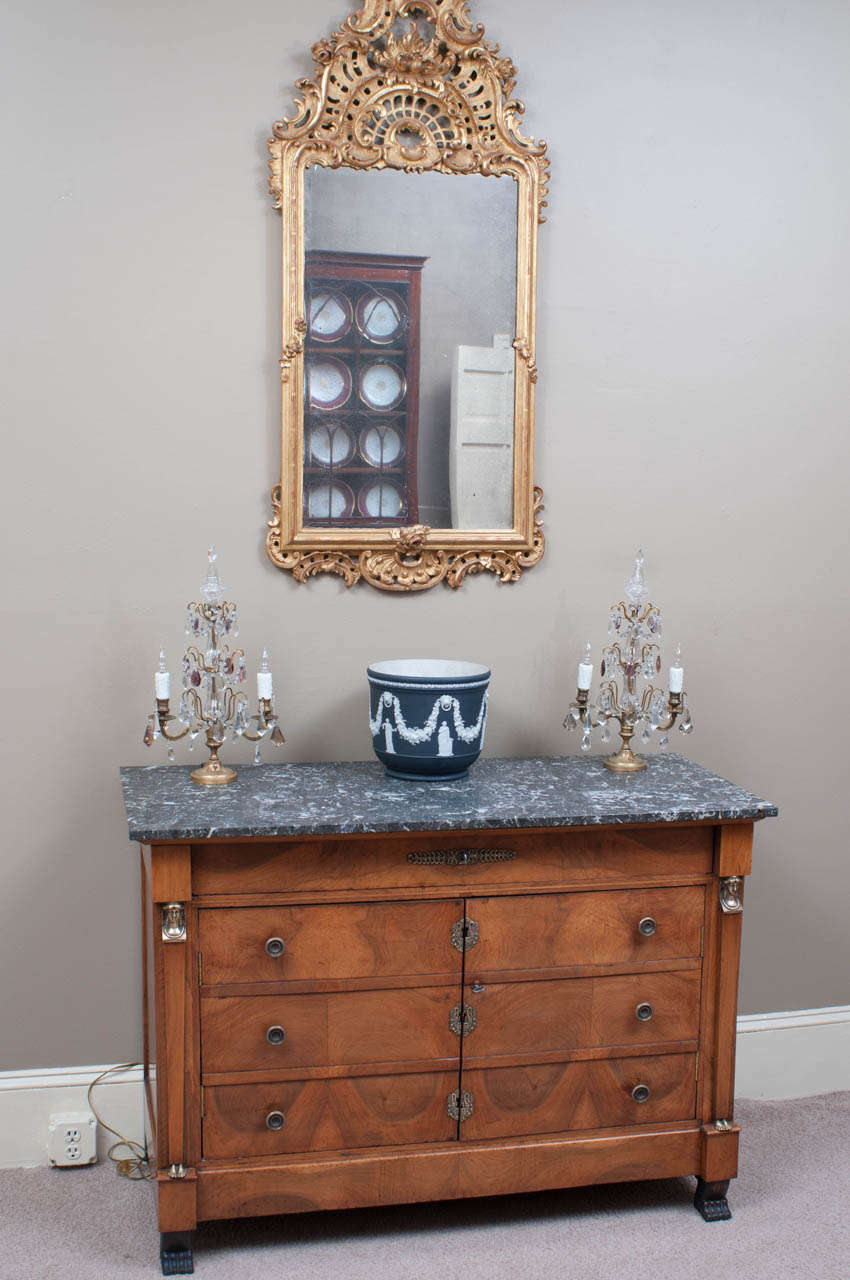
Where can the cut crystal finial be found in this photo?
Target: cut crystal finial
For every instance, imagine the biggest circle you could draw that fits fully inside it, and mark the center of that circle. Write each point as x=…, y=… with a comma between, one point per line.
x=636, y=588
x=212, y=590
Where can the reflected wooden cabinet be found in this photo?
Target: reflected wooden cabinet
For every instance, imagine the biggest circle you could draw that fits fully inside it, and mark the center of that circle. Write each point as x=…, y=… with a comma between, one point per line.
x=361, y=393
x=352, y=1021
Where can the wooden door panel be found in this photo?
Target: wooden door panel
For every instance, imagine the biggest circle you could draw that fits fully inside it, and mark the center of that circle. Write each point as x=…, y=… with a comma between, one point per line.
x=357, y=940
x=547, y=931
x=328, y=1115
x=343, y=1029
x=583, y=1013
x=557, y=1097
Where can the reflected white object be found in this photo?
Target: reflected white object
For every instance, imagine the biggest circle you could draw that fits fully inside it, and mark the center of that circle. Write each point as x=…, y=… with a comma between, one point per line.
x=382, y=385
x=264, y=677
x=330, y=315
x=380, y=499
x=380, y=446
x=676, y=675
x=330, y=445
x=330, y=501
x=329, y=383
x=482, y=436
x=585, y=670
x=380, y=316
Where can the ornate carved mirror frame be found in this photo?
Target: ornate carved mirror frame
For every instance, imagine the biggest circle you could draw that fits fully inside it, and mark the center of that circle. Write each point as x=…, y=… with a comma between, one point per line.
x=348, y=114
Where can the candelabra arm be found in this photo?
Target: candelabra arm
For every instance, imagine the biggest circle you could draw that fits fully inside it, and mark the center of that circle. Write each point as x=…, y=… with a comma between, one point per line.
x=674, y=708
x=610, y=688
x=581, y=705
x=164, y=716
x=265, y=718
x=262, y=718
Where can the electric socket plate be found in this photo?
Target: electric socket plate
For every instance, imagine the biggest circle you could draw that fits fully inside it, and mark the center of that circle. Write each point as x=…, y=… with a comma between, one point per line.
x=72, y=1138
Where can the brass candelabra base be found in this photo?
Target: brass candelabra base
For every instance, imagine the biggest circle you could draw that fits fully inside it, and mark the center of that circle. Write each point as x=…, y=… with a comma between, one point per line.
x=213, y=774
x=625, y=761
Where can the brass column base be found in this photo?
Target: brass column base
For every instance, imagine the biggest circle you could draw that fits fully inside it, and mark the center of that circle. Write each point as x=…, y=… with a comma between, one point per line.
x=625, y=761
x=213, y=774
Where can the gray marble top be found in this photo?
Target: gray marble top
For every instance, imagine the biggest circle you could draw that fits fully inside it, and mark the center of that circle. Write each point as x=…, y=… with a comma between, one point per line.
x=335, y=799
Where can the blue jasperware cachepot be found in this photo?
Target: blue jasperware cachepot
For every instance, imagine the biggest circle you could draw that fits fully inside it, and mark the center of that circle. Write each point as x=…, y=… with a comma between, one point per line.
x=427, y=716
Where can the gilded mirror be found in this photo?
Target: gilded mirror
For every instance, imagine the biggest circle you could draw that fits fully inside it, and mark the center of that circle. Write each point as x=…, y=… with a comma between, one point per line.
x=409, y=203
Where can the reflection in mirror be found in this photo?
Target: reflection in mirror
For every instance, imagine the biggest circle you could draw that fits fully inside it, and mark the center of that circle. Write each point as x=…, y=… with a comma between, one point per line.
x=409, y=365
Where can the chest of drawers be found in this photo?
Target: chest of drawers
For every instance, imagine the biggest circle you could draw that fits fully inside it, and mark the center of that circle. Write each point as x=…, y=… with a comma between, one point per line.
x=384, y=1016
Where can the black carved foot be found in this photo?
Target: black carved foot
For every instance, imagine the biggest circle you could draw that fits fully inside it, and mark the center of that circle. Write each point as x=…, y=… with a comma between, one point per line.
x=711, y=1201
x=175, y=1253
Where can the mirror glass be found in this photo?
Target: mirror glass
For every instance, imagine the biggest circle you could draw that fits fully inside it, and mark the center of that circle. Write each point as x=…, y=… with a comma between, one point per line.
x=410, y=282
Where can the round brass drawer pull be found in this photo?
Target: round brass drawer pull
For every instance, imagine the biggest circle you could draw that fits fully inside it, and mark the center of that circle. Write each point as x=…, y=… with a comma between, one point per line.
x=640, y=1093
x=275, y=1120
x=644, y=1012
x=276, y=1035
x=275, y=947
x=647, y=926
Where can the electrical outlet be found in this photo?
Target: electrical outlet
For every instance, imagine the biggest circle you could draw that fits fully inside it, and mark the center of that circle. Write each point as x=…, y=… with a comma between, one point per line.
x=72, y=1138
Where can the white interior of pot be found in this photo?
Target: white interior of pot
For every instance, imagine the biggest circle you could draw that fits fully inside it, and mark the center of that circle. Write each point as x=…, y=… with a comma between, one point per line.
x=432, y=668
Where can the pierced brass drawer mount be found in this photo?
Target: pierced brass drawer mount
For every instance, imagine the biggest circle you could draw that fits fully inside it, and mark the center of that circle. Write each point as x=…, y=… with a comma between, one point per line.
x=460, y=857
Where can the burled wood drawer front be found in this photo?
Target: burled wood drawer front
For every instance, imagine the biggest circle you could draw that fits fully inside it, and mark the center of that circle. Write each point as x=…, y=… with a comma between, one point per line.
x=556, y=1097
x=583, y=1013
x=257, y=1033
x=358, y=940
x=339, y=864
x=550, y=930
x=327, y=1115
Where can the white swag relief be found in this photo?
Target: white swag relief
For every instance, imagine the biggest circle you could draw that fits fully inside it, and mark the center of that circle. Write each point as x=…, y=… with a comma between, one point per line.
x=391, y=718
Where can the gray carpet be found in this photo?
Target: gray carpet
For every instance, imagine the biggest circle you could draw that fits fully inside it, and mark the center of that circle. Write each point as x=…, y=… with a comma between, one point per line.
x=791, y=1206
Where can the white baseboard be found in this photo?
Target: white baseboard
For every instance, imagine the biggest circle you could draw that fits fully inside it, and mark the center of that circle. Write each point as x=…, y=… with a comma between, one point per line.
x=29, y=1098
x=779, y=1055
x=793, y=1055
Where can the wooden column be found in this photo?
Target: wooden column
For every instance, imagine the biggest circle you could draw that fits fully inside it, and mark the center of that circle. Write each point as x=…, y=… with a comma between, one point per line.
x=178, y=1094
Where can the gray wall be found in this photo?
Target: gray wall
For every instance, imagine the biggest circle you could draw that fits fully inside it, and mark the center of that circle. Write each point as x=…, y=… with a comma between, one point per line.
x=466, y=228
x=692, y=399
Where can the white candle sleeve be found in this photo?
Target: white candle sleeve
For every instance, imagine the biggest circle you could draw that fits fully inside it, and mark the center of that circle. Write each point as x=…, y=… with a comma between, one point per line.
x=162, y=681
x=677, y=676
x=585, y=674
x=264, y=684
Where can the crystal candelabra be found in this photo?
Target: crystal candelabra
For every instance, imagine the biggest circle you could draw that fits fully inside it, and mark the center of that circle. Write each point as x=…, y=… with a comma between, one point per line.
x=634, y=654
x=211, y=700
